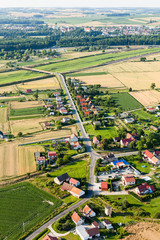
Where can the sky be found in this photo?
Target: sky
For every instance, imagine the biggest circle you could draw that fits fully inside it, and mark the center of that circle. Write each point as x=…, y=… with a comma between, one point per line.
x=79, y=3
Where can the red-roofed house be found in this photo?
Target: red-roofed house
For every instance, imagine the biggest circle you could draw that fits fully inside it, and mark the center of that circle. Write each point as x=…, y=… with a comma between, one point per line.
x=104, y=186
x=84, y=108
x=82, y=100
x=144, y=188
x=151, y=158
x=56, y=94
x=93, y=232
x=83, y=104
x=95, y=140
x=126, y=142
x=47, y=237
x=128, y=180
x=88, y=212
x=87, y=113
x=76, y=192
x=151, y=110
x=74, y=182
x=74, y=138
x=28, y=90
x=76, y=219
x=78, y=96
x=77, y=146
x=63, y=111
x=40, y=160
x=52, y=155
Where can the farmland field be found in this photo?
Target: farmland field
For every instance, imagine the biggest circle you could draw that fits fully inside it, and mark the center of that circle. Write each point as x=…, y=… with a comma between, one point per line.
x=47, y=83
x=126, y=101
x=28, y=104
x=135, y=74
x=104, y=80
x=89, y=61
x=147, y=98
x=16, y=160
x=8, y=89
x=23, y=203
x=104, y=132
x=9, y=77
x=26, y=111
x=4, y=125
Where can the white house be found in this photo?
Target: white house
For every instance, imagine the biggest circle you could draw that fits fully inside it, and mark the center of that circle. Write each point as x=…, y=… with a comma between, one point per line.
x=74, y=182
x=108, y=211
x=61, y=179
x=128, y=180
x=51, y=113
x=107, y=224
x=76, y=219
x=95, y=140
x=76, y=192
x=81, y=231
x=77, y=146
x=129, y=120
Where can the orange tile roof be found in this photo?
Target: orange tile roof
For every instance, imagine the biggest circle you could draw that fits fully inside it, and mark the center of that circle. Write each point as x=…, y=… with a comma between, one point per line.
x=86, y=209
x=72, y=180
x=129, y=178
x=76, y=191
x=154, y=159
x=75, y=217
x=66, y=187
x=148, y=154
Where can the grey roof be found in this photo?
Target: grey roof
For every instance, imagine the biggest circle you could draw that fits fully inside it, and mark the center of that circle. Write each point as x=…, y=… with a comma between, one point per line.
x=63, y=177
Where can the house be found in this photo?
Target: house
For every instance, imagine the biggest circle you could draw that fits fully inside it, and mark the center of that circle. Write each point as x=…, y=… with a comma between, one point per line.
x=98, y=123
x=87, y=113
x=125, y=142
x=151, y=158
x=40, y=160
x=46, y=124
x=155, y=161
x=62, y=178
x=58, y=99
x=81, y=231
x=95, y=112
x=108, y=224
x=28, y=90
x=79, y=96
x=154, y=128
x=82, y=100
x=63, y=111
x=95, y=140
x=93, y=232
x=48, y=237
x=130, y=136
x=76, y=219
x=52, y=155
x=116, y=139
x=83, y=104
x=128, y=180
x=104, y=186
x=108, y=211
x=158, y=107
x=95, y=224
x=120, y=163
x=129, y=120
x=74, y=182
x=51, y=113
x=77, y=146
x=88, y=212
x=84, y=108
x=123, y=115
x=151, y=110
x=66, y=119
x=73, y=138
x=56, y=94
x=76, y=192
x=144, y=188
x=66, y=187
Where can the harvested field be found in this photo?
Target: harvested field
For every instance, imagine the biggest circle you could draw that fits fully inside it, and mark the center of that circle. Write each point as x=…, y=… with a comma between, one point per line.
x=11, y=98
x=143, y=231
x=28, y=104
x=47, y=83
x=4, y=125
x=64, y=132
x=16, y=160
x=147, y=98
x=107, y=80
x=11, y=88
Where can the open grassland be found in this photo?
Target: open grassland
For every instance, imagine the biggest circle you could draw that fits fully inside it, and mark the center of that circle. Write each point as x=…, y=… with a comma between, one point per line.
x=18, y=76
x=49, y=135
x=29, y=104
x=108, y=132
x=23, y=203
x=126, y=101
x=89, y=61
x=104, y=80
x=26, y=111
x=4, y=125
x=47, y=83
x=17, y=160
x=147, y=98
x=135, y=74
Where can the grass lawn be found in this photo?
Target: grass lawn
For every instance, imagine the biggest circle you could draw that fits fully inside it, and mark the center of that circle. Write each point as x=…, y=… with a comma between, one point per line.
x=26, y=111
x=17, y=76
x=89, y=61
x=104, y=132
x=126, y=101
x=71, y=236
x=138, y=165
x=145, y=116
x=23, y=203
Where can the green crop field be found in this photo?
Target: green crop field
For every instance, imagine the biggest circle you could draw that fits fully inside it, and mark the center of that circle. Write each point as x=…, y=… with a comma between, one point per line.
x=104, y=132
x=26, y=111
x=86, y=74
x=14, y=76
x=126, y=101
x=90, y=61
x=23, y=203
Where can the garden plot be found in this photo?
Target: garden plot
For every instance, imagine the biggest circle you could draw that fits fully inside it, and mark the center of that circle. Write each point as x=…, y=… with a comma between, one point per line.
x=147, y=98
x=4, y=124
x=29, y=104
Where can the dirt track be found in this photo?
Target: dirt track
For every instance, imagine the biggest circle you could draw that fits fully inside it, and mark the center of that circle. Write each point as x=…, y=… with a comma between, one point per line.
x=143, y=231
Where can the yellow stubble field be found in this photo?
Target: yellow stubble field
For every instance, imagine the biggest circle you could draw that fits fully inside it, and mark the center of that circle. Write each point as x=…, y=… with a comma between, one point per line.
x=27, y=104
x=4, y=124
x=147, y=98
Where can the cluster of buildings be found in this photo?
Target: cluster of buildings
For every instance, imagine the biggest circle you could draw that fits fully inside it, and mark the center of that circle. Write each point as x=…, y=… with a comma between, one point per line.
x=87, y=106
x=86, y=232
x=69, y=184
x=41, y=160
x=152, y=158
